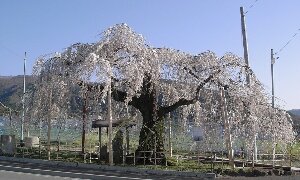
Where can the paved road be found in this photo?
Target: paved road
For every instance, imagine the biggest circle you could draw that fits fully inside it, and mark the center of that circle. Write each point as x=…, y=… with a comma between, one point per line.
x=27, y=171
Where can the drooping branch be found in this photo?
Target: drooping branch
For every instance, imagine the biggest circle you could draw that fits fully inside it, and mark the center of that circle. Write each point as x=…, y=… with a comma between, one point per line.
x=8, y=108
x=183, y=101
x=120, y=96
x=117, y=95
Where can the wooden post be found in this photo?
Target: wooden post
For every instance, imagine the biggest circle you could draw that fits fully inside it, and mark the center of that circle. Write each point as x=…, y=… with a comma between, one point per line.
x=110, y=158
x=127, y=132
x=226, y=127
x=83, y=128
x=291, y=156
x=211, y=164
x=155, y=150
x=24, y=90
x=10, y=122
x=274, y=155
x=170, y=133
x=99, y=149
x=252, y=160
x=49, y=124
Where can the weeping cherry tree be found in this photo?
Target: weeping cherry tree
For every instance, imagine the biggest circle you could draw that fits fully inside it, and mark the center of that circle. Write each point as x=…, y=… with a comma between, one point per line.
x=155, y=81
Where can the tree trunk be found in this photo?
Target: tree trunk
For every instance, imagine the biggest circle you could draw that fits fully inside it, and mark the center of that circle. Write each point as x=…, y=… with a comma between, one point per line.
x=152, y=133
x=151, y=140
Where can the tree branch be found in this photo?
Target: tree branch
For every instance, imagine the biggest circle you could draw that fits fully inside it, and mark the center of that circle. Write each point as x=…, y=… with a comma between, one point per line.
x=117, y=95
x=183, y=101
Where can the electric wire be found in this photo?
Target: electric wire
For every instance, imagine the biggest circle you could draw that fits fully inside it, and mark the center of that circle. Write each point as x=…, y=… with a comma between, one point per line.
x=11, y=51
x=288, y=42
x=250, y=7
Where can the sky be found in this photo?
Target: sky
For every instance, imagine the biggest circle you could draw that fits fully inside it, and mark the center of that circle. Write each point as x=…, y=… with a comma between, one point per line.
x=40, y=27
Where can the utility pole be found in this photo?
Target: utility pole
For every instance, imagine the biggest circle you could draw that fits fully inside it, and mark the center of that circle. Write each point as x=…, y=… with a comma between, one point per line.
x=246, y=57
x=245, y=43
x=272, y=74
x=273, y=98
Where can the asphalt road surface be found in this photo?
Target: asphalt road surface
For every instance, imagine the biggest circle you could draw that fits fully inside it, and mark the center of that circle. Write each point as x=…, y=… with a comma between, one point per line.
x=28, y=171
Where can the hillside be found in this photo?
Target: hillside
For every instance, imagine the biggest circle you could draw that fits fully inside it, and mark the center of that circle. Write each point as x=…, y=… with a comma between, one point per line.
x=295, y=111
x=11, y=90
x=295, y=114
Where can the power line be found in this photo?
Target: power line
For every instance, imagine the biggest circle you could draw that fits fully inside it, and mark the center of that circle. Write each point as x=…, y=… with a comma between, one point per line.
x=11, y=51
x=288, y=42
x=250, y=7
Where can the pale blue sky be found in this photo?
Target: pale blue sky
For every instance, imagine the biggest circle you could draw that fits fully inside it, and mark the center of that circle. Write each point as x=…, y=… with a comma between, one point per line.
x=45, y=26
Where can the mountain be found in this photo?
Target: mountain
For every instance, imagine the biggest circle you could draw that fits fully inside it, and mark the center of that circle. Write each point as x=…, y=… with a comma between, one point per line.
x=295, y=111
x=11, y=94
x=296, y=118
x=11, y=90
x=295, y=115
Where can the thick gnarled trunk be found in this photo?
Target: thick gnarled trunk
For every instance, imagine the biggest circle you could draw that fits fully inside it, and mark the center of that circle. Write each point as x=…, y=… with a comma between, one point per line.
x=152, y=133
x=151, y=139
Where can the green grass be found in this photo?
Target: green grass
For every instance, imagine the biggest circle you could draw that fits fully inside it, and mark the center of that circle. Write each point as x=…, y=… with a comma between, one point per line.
x=73, y=137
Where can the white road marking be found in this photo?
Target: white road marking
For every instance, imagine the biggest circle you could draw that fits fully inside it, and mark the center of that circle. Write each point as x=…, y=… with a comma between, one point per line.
x=66, y=172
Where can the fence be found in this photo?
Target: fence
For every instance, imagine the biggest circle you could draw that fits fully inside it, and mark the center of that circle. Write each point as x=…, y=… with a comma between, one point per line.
x=191, y=161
